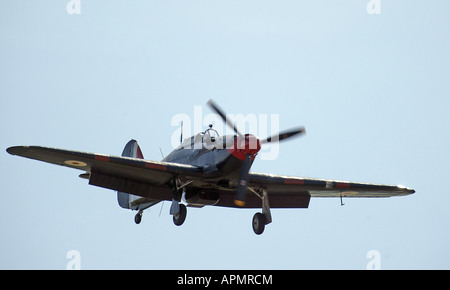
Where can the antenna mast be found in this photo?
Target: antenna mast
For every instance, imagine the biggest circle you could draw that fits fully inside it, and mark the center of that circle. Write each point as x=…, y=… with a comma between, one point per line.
x=181, y=132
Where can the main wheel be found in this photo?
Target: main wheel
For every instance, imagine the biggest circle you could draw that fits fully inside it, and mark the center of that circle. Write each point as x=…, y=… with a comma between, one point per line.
x=178, y=219
x=259, y=223
x=138, y=218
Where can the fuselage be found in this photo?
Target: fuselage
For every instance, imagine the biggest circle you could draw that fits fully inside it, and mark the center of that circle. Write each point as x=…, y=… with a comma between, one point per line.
x=218, y=156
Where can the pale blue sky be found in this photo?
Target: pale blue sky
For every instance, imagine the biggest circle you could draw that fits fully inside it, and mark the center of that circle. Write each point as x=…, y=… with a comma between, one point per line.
x=372, y=91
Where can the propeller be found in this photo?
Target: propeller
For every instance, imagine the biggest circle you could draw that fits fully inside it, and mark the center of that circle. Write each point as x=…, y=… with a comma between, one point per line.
x=241, y=191
x=224, y=117
x=284, y=135
x=247, y=150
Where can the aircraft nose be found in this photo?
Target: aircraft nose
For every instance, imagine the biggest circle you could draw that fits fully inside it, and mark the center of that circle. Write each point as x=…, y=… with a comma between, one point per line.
x=249, y=144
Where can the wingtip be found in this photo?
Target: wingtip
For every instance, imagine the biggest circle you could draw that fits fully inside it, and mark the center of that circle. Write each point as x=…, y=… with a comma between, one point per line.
x=406, y=190
x=14, y=150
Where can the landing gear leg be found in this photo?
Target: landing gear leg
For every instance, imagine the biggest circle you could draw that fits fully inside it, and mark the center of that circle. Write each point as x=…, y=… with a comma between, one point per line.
x=266, y=207
x=177, y=210
x=260, y=220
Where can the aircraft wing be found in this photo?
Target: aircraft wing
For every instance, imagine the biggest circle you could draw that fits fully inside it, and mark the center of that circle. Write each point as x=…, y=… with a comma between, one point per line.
x=149, y=179
x=295, y=192
x=132, y=175
x=324, y=187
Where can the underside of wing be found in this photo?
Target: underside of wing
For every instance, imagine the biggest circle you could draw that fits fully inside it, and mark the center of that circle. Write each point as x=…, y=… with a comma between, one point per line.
x=324, y=187
x=141, y=177
x=295, y=192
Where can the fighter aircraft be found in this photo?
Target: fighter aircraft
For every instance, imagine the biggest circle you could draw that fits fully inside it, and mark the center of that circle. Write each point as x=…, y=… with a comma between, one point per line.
x=205, y=169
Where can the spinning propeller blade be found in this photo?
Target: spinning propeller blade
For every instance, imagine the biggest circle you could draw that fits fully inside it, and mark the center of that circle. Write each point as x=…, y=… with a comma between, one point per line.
x=284, y=135
x=224, y=117
x=241, y=190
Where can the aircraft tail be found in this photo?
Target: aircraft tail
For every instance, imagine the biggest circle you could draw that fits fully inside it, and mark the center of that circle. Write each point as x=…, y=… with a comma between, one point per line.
x=132, y=149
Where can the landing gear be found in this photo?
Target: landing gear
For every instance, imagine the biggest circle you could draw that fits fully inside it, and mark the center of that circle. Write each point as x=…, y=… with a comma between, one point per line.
x=259, y=223
x=138, y=217
x=180, y=217
x=177, y=209
x=260, y=220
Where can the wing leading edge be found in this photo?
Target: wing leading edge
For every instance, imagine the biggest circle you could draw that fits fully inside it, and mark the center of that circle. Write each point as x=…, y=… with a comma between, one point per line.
x=132, y=175
x=296, y=192
x=324, y=187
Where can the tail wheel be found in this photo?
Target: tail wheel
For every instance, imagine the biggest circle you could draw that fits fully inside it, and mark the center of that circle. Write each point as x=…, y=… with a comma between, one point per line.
x=178, y=219
x=259, y=223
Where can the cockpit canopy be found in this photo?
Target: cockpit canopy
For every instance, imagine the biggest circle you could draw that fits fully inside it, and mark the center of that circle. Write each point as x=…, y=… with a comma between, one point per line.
x=209, y=139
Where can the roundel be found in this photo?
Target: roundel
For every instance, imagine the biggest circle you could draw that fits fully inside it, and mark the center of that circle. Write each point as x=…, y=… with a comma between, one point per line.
x=75, y=163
